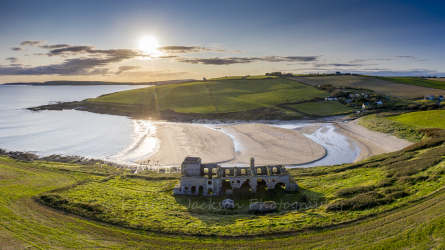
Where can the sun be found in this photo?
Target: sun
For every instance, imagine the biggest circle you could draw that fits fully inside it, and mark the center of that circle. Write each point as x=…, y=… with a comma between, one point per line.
x=149, y=45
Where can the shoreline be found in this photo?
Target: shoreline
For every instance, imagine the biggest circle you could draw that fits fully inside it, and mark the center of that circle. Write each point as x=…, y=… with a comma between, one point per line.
x=371, y=142
x=232, y=144
x=363, y=142
x=289, y=143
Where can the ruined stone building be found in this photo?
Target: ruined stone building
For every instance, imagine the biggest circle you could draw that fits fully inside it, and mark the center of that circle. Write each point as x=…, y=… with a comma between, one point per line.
x=214, y=180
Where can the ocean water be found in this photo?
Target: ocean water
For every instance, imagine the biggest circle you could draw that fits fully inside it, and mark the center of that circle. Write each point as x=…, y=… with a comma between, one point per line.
x=70, y=132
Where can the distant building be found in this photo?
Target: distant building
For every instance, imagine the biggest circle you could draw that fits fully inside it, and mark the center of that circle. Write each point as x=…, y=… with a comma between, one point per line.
x=330, y=99
x=378, y=103
x=337, y=73
x=204, y=79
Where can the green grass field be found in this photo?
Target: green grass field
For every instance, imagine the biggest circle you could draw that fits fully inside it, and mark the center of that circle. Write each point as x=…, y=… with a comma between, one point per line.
x=423, y=119
x=398, y=201
x=405, y=125
x=388, y=88
x=384, y=125
x=322, y=108
x=216, y=96
x=416, y=81
x=426, y=101
x=259, y=77
x=228, y=78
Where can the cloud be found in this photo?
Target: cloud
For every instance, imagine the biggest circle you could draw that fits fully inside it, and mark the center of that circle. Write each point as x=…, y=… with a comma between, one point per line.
x=238, y=60
x=95, y=62
x=192, y=49
x=126, y=68
x=70, y=49
x=55, y=69
x=339, y=65
x=158, y=73
x=369, y=59
x=15, y=64
x=54, y=46
x=182, y=49
x=407, y=57
x=18, y=49
x=358, y=60
x=411, y=72
x=13, y=59
x=32, y=43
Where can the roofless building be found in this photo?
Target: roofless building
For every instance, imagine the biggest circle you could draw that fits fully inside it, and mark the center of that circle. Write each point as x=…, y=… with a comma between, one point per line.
x=214, y=180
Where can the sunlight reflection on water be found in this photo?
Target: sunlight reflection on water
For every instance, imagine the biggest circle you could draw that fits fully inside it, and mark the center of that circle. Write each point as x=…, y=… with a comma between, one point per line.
x=144, y=143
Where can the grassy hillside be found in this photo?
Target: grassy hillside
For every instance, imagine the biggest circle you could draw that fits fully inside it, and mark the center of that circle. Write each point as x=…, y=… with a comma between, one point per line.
x=228, y=78
x=424, y=119
x=381, y=86
x=416, y=81
x=259, y=77
x=394, y=200
x=406, y=125
x=322, y=108
x=375, y=186
x=216, y=96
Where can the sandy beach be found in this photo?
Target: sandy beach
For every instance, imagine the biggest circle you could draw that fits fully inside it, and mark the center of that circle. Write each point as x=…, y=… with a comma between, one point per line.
x=179, y=140
x=269, y=145
x=272, y=145
x=371, y=142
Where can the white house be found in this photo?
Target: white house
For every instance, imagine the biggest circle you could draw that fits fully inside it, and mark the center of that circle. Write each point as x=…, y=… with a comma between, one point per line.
x=330, y=99
x=429, y=97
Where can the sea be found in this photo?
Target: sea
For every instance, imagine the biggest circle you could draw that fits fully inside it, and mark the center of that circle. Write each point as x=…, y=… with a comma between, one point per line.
x=70, y=132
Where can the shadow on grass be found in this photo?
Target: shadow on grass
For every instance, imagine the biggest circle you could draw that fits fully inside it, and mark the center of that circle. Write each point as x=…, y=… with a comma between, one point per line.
x=208, y=209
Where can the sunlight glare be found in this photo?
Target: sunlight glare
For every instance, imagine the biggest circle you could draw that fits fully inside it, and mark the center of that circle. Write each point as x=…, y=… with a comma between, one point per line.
x=149, y=45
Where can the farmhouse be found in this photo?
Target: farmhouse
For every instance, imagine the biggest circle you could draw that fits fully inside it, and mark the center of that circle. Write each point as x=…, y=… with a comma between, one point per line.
x=365, y=105
x=214, y=180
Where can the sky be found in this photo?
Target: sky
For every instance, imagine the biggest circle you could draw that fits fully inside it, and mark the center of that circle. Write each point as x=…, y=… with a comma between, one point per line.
x=100, y=40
